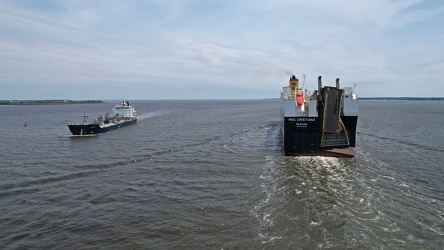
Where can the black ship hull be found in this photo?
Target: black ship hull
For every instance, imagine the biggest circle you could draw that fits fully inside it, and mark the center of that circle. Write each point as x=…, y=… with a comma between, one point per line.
x=94, y=128
x=303, y=136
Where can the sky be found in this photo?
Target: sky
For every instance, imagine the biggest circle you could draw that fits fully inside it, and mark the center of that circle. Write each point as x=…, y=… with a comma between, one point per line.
x=218, y=49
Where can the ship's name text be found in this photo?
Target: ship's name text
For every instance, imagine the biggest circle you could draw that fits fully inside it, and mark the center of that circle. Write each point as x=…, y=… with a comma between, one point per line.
x=301, y=119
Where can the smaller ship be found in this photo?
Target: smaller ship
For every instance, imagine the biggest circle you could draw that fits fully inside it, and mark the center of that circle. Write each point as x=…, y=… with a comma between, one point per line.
x=123, y=115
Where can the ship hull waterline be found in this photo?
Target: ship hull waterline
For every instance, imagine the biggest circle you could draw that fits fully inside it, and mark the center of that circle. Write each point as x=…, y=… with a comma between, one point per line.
x=336, y=152
x=94, y=129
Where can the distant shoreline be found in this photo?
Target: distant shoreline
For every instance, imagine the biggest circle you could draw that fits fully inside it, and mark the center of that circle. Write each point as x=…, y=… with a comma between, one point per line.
x=47, y=102
x=65, y=102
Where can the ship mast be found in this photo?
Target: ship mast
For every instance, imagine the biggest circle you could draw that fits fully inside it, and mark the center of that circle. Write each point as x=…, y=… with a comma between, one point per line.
x=303, y=83
x=85, y=118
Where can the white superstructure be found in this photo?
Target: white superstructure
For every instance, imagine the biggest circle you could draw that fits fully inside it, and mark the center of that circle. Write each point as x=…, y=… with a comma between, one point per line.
x=124, y=109
x=308, y=101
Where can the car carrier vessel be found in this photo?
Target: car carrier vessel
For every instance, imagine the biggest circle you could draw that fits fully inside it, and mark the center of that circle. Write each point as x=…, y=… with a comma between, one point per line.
x=322, y=122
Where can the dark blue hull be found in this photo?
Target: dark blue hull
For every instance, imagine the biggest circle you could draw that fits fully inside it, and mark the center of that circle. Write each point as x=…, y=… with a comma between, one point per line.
x=94, y=128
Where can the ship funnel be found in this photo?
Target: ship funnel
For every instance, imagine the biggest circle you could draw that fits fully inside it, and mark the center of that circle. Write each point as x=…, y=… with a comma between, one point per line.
x=337, y=83
x=294, y=85
x=319, y=84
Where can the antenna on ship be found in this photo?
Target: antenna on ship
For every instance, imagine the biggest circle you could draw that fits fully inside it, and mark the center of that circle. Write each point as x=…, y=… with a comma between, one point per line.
x=85, y=118
x=303, y=84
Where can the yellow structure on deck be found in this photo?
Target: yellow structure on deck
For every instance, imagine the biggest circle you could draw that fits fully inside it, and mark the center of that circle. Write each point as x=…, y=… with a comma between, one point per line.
x=294, y=85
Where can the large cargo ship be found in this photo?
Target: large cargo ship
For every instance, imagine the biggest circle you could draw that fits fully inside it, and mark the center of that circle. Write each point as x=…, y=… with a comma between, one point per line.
x=322, y=122
x=123, y=115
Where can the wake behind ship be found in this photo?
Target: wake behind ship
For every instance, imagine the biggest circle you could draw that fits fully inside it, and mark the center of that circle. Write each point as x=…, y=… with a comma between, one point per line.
x=123, y=115
x=319, y=123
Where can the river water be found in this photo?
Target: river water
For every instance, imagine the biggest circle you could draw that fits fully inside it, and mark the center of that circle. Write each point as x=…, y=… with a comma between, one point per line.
x=212, y=175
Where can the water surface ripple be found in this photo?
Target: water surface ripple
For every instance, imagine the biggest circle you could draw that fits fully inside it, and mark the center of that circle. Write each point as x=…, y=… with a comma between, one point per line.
x=212, y=175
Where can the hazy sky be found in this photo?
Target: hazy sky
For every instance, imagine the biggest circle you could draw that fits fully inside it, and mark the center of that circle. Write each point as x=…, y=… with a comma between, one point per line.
x=217, y=49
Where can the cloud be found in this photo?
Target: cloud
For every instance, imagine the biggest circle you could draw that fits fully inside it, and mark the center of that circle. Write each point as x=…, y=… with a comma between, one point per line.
x=190, y=44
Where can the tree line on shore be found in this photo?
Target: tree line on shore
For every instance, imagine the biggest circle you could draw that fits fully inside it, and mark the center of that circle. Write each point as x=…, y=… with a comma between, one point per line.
x=46, y=102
